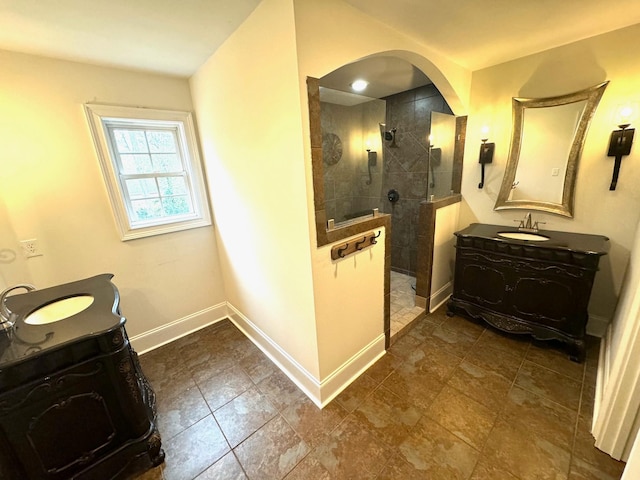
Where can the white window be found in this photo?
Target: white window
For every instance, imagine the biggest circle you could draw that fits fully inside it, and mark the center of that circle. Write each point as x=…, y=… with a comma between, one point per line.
x=149, y=159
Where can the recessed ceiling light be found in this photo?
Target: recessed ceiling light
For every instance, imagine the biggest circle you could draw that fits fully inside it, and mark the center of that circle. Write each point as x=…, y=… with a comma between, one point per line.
x=359, y=85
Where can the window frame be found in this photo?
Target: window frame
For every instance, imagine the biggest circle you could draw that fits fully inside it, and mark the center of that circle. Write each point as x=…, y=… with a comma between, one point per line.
x=102, y=119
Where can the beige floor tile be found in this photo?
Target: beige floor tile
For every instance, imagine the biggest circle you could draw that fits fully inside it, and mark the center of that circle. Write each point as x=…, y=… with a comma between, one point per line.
x=438, y=453
x=466, y=418
x=271, y=452
x=550, y=384
x=525, y=455
x=485, y=386
x=451, y=399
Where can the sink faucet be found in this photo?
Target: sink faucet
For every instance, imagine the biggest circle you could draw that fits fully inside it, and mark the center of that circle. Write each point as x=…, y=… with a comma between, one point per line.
x=5, y=314
x=526, y=225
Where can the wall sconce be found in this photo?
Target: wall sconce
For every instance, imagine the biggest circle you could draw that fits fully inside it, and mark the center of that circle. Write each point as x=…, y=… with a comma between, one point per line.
x=372, y=161
x=388, y=135
x=621, y=140
x=486, y=154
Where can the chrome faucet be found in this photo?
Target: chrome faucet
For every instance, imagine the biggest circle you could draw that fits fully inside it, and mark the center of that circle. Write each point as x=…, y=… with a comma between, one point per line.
x=5, y=314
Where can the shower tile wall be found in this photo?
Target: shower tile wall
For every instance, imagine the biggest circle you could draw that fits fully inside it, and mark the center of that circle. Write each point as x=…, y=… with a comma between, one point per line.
x=347, y=188
x=406, y=168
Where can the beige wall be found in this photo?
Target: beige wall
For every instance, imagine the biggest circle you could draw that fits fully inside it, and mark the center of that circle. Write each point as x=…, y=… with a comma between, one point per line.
x=254, y=126
x=52, y=190
x=248, y=106
x=597, y=210
x=331, y=33
x=443, y=262
x=348, y=293
x=616, y=421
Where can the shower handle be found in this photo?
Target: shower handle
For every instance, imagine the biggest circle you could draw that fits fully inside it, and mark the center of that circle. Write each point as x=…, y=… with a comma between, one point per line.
x=393, y=196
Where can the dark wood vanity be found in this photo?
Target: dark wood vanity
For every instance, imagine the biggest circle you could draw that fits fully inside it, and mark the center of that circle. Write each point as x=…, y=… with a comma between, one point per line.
x=74, y=403
x=541, y=288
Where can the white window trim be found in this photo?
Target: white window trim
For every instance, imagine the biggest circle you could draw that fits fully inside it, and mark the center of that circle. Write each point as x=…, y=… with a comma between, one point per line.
x=97, y=115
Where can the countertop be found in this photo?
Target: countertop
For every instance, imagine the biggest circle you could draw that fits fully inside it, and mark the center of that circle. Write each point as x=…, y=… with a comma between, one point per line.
x=575, y=242
x=25, y=341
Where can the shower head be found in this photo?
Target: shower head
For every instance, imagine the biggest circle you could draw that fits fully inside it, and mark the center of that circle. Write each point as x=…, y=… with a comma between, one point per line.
x=388, y=135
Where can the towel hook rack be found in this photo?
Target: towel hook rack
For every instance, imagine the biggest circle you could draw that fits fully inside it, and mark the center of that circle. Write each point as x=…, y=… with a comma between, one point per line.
x=356, y=245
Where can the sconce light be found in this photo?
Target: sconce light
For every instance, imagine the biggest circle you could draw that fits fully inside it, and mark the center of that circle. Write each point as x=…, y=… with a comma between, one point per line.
x=621, y=140
x=388, y=135
x=486, y=154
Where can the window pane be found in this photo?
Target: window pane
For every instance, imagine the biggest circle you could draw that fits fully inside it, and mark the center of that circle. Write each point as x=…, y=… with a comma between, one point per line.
x=142, y=188
x=146, y=209
x=151, y=167
x=136, y=164
x=172, y=186
x=179, y=205
x=130, y=141
x=166, y=163
x=161, y=141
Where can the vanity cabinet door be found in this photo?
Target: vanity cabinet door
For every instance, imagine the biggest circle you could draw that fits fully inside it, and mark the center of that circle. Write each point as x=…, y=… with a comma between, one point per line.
x=534, y=293
x=552, y=299
x=65, y=425
x=479, y=280
x=60, y=424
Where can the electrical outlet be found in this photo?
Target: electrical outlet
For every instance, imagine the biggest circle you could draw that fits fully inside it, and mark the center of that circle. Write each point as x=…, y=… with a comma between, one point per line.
x=30, y=248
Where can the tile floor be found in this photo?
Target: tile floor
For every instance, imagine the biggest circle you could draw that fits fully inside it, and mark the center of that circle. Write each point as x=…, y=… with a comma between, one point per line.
x=450, y=400
x=402, y=302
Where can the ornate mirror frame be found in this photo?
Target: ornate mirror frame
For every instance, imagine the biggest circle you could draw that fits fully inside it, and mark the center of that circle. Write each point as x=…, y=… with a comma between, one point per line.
x=592, y=97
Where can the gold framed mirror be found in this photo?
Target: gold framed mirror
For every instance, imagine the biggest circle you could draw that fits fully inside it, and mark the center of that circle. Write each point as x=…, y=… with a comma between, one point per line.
x=548, y=135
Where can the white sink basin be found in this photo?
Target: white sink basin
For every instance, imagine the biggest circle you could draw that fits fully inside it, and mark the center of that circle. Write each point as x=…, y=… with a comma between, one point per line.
x=56, y=311
x=530, y=237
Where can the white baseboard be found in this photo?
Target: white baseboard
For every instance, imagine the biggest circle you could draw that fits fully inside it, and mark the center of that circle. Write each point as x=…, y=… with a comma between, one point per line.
x=292, y=369
x=602, y=375
x=178, y=328
x=320, y=392
x=351, y=369
x=440, y=297
x=597, y=326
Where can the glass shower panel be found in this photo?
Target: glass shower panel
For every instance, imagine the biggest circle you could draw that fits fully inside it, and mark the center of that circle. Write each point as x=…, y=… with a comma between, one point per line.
x=442, y=142
x=352, y=153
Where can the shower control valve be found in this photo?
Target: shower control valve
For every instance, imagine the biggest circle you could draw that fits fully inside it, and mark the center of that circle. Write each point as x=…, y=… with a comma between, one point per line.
x=393, y=196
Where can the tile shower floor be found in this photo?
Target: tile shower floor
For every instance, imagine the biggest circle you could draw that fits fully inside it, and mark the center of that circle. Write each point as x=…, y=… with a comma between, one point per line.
x=402, y=302
x=450, y=400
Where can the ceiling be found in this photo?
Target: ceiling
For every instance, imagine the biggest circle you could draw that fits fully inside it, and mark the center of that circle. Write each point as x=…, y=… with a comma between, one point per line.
x=481, y=33
x=386, y=76
x=172, y=37
x=176, y=37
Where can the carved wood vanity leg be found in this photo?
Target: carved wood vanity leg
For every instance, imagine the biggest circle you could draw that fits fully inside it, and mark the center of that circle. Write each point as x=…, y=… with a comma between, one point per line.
x=577, y=350
x=156, y=453
x=450, y=312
